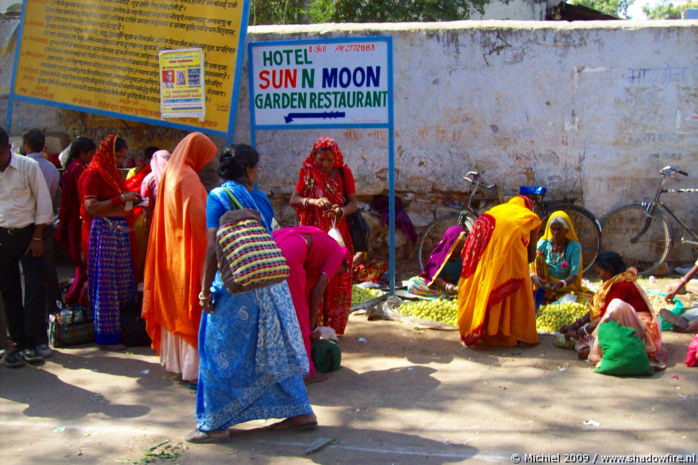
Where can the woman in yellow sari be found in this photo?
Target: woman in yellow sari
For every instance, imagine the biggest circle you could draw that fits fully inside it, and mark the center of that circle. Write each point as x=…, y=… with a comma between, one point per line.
x=558, y=267
x=495, y=302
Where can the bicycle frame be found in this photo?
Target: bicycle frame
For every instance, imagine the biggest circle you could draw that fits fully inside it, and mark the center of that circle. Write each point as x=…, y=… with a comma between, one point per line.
x=654, y=203
x=682, y=224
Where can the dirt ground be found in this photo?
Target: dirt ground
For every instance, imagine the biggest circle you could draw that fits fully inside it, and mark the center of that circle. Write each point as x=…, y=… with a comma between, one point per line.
x=402, y=396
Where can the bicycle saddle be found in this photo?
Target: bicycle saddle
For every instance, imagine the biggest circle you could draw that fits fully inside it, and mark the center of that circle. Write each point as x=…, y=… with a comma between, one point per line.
x=532, y=190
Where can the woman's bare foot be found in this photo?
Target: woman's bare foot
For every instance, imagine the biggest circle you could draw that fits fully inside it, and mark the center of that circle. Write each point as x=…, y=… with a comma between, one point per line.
x=203, y=437
x=583, y=353
x=306, y=422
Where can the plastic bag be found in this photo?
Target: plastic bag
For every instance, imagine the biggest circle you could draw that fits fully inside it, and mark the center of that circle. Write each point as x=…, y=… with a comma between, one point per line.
x=336, y=235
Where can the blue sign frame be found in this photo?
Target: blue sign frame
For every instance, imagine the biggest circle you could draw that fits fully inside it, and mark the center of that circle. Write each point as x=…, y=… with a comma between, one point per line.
x=389, y=125
x=242, y=35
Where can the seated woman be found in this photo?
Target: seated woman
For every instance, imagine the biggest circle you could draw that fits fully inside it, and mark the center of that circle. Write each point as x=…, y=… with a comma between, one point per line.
x=619, y=299
x=441, y=272
x=313, y=258
x=558, y=265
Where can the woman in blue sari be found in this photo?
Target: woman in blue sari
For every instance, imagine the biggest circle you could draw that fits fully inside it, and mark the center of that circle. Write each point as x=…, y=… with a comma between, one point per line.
x=252, y=357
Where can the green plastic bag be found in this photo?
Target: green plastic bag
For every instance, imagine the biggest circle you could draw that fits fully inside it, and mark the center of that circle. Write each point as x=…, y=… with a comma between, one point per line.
x=624, y=353
x=326, y=355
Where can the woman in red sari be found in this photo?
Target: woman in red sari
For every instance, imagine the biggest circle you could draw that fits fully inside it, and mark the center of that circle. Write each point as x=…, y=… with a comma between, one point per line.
x=324, y=195
x=106, y=205
x=70, y=224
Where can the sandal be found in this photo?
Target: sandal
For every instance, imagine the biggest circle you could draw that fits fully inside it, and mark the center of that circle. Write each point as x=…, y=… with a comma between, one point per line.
x=288, y=425
x=204, y=437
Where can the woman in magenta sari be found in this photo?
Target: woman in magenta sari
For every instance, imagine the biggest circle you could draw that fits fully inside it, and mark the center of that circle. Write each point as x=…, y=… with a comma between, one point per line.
x=440, y=275
x=324, y=195
x=313, y=258
x=70, y=225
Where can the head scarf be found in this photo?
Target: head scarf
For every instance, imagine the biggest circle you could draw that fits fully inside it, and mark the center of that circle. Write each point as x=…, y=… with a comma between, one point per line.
x=316, y=184
x=556, y=216
x=522, y=201
x=441, y=253
x=104, y=164
x=157, y=165
x=326, y=143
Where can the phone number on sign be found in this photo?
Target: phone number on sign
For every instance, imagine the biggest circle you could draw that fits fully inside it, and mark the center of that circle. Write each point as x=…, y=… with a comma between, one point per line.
x=355, y=48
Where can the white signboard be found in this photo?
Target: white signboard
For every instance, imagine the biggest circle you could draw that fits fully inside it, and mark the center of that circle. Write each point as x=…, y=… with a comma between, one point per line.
x=335, y=82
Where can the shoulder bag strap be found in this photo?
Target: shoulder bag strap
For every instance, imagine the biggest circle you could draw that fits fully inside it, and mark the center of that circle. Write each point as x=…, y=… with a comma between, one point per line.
x=344, y=186
x=233, y=201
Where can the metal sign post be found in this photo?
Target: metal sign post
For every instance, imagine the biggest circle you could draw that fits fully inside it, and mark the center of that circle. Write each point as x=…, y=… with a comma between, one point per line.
x=326, y=83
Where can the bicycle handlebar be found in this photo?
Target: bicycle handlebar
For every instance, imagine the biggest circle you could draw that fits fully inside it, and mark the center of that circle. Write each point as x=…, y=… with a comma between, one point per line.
x=473, y=177
x=669, y=170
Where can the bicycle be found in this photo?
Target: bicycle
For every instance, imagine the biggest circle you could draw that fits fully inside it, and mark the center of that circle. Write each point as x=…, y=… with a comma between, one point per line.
x=586, y=225
x=640, y=231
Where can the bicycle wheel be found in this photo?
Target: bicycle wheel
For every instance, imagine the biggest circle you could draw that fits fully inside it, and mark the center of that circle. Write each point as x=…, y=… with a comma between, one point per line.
x=642, y=239
x=586, y=226
x=432, y=236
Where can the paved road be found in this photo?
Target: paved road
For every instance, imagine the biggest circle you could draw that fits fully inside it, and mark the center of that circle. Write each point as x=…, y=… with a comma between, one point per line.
x=402, y=397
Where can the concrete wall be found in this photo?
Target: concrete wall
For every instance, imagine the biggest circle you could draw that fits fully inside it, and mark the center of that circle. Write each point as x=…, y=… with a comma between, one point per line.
x=589, y=109
x=592, y=110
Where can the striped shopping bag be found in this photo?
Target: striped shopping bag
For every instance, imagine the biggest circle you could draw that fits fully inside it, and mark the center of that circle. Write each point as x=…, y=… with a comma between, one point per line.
x=248, y=256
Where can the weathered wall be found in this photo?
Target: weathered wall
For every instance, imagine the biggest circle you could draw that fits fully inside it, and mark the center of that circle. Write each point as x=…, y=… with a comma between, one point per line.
x=590, y=109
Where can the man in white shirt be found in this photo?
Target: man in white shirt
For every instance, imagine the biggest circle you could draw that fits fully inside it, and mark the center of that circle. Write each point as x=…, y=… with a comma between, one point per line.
x=33, y=145
x=24, y=210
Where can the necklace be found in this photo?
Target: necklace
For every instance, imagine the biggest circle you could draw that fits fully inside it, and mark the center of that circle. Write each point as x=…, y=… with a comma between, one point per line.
x=557, y=253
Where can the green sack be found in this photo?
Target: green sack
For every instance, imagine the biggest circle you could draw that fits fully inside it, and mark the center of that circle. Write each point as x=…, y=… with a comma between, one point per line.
x=624, y=353
x=326, y=355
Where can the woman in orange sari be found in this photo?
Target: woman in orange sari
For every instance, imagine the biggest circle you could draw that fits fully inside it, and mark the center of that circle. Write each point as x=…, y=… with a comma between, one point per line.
x=324, y=195
x=495, y=302
x=175, y=258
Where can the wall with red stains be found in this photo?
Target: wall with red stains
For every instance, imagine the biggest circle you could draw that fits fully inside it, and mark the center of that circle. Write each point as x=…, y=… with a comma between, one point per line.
x=592, y=110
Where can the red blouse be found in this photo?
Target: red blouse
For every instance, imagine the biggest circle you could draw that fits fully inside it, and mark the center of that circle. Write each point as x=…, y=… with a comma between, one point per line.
x=93, y=186
x=627, y=292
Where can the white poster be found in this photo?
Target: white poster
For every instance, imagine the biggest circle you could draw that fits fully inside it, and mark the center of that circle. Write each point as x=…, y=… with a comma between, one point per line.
x=337, y=82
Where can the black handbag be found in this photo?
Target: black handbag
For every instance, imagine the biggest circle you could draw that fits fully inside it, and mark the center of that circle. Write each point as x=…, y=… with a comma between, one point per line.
x=358, y=228
x=133, y=333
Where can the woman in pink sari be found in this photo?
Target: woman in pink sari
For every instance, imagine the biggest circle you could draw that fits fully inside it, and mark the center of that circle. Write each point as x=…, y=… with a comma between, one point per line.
x=149, y=186
x=314, y=258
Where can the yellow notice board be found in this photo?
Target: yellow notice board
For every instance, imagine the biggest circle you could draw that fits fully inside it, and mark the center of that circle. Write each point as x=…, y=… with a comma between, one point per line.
x=102, y=56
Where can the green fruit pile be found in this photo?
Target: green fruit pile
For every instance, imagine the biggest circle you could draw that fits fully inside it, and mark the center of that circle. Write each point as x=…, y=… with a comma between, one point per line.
x=441, y=310
x=360, y=294
x=552, y=317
